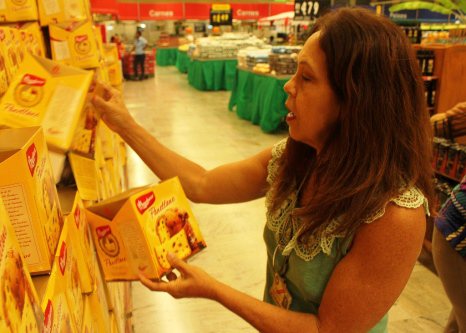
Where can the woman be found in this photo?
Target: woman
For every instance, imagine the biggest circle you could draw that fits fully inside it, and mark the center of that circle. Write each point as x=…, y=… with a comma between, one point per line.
x=346, y=193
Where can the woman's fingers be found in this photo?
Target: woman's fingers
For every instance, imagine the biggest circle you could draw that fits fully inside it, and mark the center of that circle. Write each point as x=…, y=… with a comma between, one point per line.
x=152, y=285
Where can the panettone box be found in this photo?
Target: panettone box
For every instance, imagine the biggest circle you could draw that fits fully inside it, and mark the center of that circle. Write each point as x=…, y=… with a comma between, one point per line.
x=56, y=11
x=10, y=50
x=73, y=43
x=49, y=94
x=18, y=10
x=30, y=196
x=19, y=304
x=67, y=272
x=134, y=231
x=80, y=239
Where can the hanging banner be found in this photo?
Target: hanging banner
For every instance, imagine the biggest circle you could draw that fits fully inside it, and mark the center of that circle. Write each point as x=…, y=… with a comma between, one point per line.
x=250, y=11
x=104, y=6
x=310, y=9
x=197, y=11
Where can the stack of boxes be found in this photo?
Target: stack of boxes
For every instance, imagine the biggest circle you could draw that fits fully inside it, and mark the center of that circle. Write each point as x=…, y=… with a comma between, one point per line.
x=149, y=65
x=45, y=111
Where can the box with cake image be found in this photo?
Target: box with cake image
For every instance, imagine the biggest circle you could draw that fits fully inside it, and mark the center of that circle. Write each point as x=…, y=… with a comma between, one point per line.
x=30, y=196
x=135, y=231
x=20, y=309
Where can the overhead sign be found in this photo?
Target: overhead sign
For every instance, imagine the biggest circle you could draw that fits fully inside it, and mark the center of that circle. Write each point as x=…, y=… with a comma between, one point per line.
x=310, y=9
x=221, y=14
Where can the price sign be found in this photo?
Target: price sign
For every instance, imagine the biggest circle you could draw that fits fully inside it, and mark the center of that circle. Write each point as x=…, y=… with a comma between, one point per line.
x=310, y=9
x=221, y=17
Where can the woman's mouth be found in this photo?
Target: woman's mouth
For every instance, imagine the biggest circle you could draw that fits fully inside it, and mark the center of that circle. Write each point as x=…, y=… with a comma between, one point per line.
x=290, y=116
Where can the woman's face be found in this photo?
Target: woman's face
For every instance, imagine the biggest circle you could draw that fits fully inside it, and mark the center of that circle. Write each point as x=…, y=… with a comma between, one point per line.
x=313, y=106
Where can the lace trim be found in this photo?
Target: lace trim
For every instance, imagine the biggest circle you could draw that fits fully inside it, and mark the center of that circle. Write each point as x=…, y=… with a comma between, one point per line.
x=286, y=228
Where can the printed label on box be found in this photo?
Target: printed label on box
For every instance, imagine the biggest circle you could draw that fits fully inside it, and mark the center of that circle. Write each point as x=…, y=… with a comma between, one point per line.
x=61, y=49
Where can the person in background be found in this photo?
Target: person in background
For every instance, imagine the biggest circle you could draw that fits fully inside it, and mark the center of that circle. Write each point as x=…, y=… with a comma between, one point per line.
x=449, y=238
x=346, y=193
x=140, y=44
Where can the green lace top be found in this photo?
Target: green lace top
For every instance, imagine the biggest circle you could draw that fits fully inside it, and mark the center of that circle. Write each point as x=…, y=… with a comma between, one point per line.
x=310, y=265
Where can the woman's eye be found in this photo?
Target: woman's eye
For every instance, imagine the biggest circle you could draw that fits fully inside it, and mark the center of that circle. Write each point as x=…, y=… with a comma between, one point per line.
x=306, y=78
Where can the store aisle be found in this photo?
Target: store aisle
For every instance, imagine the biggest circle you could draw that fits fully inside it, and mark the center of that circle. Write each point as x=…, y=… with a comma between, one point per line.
x=199, y=126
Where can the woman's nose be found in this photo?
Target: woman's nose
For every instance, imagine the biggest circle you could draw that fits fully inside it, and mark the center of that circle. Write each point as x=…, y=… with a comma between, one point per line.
x=290, y=87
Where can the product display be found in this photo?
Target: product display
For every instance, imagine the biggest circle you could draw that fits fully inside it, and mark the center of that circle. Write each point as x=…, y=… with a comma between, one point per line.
x=30, y=196
x=74, y=43
x=19, y=304
x=36, y=97
x=15, y=11
x=57, y=11
x=135, y=230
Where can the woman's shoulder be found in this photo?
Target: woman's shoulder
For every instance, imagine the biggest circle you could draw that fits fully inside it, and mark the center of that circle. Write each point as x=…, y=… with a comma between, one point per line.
x=277, y=152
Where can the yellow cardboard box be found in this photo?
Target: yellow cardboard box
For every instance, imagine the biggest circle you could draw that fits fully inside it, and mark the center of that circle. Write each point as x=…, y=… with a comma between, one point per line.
x=4, y=76
x=38, y=94
x=18, y=10
x=81, y=241
x=134, y=231
x=68, y=273
x=19, y=304
x=9, y=45
x=30, y=196
x=34, y=39
x=73, y=43
x=56, y=11
x=57, y=312
x=115, y=74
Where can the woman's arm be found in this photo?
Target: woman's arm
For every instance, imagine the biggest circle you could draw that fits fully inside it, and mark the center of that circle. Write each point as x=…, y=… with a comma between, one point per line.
x=362, y=288
x=235, y=182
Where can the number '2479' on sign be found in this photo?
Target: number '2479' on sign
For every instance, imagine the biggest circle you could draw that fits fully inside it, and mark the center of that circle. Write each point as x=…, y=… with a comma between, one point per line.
x=307, y=8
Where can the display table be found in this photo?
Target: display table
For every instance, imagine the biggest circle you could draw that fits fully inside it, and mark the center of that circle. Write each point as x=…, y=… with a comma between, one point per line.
x=166, y=56
x=259, y=98
x=218, y=74
x=182, y=61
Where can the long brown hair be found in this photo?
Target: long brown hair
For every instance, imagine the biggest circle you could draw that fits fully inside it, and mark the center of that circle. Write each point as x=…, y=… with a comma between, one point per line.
x=382, y=142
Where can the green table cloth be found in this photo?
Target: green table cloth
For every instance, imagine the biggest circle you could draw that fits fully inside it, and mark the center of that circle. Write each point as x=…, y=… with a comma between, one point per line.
x=212, y=74
x=259, y=98
x=182, y=61
x=166, y=56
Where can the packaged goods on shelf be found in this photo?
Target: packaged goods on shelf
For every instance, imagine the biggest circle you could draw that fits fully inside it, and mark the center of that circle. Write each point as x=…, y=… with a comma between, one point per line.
x=28, y=190
x=74, y=43
x=37, y=95
x=34, y=38
x=257, y=57
x=19, y=303
x=449, y=158
x=134, y=231
x=4, y=75
x=224, y=47
x=283, y=60
x=85, y=173
x=81, y=241
x=67, y=273
x=15, y=11
x=56, y=11
x=9, y=42
x=149, y=64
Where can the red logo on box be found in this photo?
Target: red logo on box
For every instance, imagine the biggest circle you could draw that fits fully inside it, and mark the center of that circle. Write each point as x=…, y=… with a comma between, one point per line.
x=80, y=38
x=48, y=320
x=77, y=216
x=62, y=258
x=145, y=201
x=32, y=80
x=103, y=231
x=31, y=157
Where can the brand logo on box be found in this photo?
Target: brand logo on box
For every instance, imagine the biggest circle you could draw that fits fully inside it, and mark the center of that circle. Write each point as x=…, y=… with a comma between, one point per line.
x=107, y=242
x=48, y=320
x=62, y=258
x=145, y=201
x=31, y=156
x=80, y=38
x=77, y=216
x=32, y=80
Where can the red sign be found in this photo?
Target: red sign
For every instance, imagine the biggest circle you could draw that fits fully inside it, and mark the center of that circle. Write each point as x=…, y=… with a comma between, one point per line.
x=197, y=11
x=104, y=6
x=250, y=11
